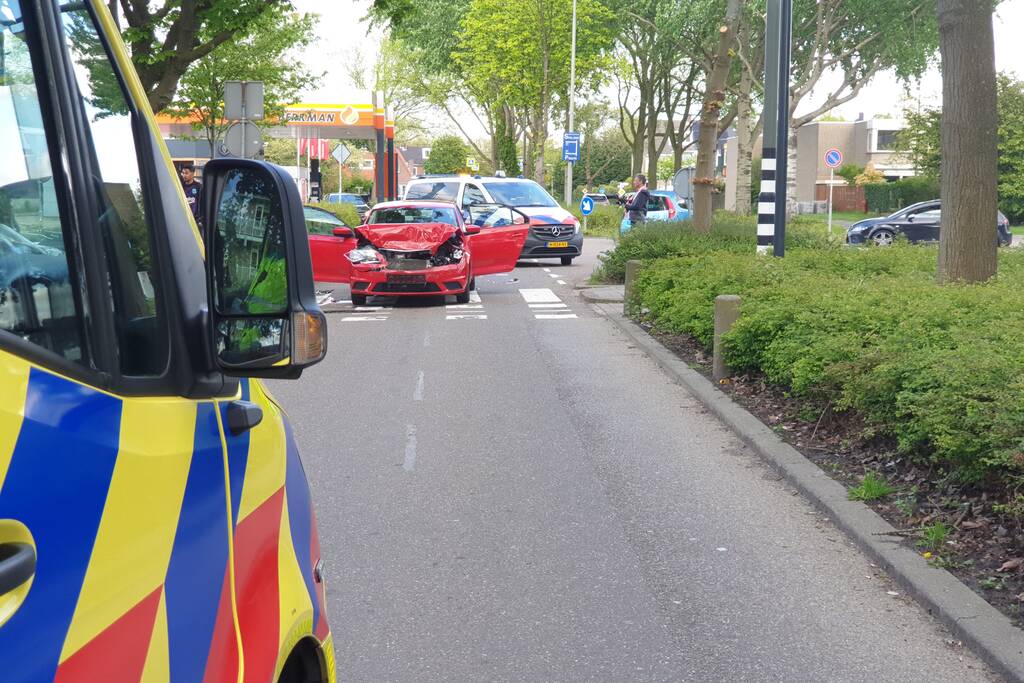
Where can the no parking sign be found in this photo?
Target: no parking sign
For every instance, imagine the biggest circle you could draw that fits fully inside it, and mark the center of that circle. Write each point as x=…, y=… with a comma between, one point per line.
x=833, y=158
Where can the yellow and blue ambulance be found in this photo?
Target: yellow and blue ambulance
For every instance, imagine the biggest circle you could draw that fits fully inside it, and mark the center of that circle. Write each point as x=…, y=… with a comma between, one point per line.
x=155, y=520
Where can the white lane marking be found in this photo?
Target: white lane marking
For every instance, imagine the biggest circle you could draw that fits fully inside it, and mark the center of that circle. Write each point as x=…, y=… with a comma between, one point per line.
x=539, y=296
x=410, y=449
x=363, y=318
x=547, y=270
x=549, y=305
x=417, y=394
x=464, y=307
x=372, y=309
x=474, y=297
x=552, y=275
x=426, y=340
x=554, y=316
x=561, y=282
x=467, y=316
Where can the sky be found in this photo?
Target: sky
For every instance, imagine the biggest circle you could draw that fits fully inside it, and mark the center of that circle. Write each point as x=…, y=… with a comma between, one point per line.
x=342, y=34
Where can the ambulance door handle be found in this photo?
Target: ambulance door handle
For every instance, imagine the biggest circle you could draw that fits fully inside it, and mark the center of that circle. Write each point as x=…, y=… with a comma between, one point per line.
x=17, y=565
x=243, y=416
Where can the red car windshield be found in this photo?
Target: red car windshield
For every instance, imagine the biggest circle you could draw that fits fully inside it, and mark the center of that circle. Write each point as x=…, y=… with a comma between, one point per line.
x=409, y=214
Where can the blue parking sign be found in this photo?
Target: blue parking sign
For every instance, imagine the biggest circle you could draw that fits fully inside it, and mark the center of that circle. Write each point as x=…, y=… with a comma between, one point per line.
x=571, y=147
x=586, y=206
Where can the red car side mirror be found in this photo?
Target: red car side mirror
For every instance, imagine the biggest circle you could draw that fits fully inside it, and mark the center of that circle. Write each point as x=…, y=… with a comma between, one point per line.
x=342, y=232
x=473, y=229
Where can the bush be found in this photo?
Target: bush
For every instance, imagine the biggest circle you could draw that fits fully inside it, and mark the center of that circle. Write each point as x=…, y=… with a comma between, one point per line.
x=603, y=222
x=940, y=369
x=890, y=197
x=346, y=212
x=730, y=233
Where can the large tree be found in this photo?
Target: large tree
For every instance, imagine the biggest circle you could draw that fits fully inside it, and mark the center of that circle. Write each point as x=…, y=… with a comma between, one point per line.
x=398, y=73
x=519, y=50
x=166, y=37
x=967, y=249
x=261, y=55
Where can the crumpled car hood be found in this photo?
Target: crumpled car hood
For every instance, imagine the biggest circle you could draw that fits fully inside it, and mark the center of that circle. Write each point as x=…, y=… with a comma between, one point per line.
x=408, y=236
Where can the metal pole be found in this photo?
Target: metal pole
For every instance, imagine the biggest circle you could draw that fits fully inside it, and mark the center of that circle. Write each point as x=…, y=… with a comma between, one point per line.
x=572, y=106
x=380, y=181
x=831, y=184
x=782, y=159
x=766, y=198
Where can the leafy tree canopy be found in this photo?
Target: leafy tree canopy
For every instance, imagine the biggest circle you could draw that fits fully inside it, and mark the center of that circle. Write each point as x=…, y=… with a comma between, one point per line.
x=447, y=155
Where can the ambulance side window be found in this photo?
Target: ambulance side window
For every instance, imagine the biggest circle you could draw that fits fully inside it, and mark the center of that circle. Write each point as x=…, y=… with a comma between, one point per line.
x=141, y=327
x=37, y=295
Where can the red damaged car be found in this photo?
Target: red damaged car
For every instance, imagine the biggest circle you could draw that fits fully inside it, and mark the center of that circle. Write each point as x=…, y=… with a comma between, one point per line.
x=419, y=248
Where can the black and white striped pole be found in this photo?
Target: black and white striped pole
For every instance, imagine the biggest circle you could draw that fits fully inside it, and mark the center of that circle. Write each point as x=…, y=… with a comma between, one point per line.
x=771, y=202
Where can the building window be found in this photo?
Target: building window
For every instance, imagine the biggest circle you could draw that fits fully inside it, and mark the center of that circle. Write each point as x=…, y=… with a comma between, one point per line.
x=886, y=141
x=426, y=153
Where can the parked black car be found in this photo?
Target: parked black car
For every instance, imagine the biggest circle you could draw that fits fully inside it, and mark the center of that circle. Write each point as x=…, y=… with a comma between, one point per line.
x=918, y=223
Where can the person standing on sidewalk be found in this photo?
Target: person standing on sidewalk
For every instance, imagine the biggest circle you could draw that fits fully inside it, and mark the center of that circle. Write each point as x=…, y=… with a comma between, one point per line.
x=193, y=190
x=636, y=209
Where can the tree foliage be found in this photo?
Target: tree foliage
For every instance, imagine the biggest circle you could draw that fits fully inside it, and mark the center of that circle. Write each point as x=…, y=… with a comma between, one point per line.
x=447, y=155
x=167, y=36
x=518, y=50
x=261, y=55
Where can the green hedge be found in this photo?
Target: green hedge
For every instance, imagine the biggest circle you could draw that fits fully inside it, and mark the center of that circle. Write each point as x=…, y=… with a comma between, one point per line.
x=730, y=232
x=938, y=368
x=887, y=198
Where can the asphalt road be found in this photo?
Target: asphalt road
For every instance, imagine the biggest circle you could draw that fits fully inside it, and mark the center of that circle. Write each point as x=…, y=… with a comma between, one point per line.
x=508, y=492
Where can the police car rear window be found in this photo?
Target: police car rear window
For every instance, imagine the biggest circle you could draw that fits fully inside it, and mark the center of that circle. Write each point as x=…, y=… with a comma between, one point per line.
x=445, y=191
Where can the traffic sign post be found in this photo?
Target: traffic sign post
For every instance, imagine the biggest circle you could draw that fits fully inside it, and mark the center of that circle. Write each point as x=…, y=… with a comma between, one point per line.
x=586, y=208
x=833, y=159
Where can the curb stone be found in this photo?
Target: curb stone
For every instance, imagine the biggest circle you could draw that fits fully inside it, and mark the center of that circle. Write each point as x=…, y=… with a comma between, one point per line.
x=614, y=294
x=988, y=632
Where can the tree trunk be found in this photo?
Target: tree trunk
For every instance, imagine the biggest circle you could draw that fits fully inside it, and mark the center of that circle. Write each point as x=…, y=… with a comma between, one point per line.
x=744, y=148
x=791, y=202
x=714, y=97
x=652, y=146
x=641, y=136
x=967, y=249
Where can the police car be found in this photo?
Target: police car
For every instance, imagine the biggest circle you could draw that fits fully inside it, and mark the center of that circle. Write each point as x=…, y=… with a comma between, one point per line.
x=554, y=232
x=155, y=520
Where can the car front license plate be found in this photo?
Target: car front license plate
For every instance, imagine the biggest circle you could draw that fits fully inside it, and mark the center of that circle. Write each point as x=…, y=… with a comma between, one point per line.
x=556, y=245
x=407, y=279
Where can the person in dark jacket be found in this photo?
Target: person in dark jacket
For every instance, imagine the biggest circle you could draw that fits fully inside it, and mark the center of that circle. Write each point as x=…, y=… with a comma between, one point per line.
x=636, y=209
x=193, y=189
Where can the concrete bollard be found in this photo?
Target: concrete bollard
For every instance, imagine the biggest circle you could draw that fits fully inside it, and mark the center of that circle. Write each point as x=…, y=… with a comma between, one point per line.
x=727, y=312
x=632, y=269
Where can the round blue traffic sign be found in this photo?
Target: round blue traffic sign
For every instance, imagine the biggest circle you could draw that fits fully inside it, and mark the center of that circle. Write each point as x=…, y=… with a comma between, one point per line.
x=833, y=158
x=586, y=206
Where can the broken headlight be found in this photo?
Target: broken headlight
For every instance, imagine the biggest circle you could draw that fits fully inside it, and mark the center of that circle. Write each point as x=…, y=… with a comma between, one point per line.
x=364, y=255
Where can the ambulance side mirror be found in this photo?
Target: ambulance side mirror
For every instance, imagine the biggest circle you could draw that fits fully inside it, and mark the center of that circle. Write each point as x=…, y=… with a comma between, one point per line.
x=264, y=318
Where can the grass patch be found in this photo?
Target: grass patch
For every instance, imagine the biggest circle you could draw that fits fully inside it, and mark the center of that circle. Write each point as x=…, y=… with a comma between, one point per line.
x=872, y=487
x=933, y=537
x=852, y=216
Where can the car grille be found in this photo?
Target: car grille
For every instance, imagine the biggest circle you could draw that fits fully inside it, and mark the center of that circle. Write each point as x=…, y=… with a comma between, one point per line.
x=547, y=232
x=407, y=260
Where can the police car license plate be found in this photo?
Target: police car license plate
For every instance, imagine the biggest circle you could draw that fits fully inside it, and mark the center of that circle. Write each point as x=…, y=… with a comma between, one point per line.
x=556, y=245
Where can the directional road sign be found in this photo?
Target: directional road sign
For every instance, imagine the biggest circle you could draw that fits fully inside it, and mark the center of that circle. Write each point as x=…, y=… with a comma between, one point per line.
x=833, y=158
x=341, y=153
x=586, y=206
x=571, y=147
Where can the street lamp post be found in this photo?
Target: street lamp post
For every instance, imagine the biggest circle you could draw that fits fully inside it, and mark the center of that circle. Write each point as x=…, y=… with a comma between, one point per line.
x=572, y=103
